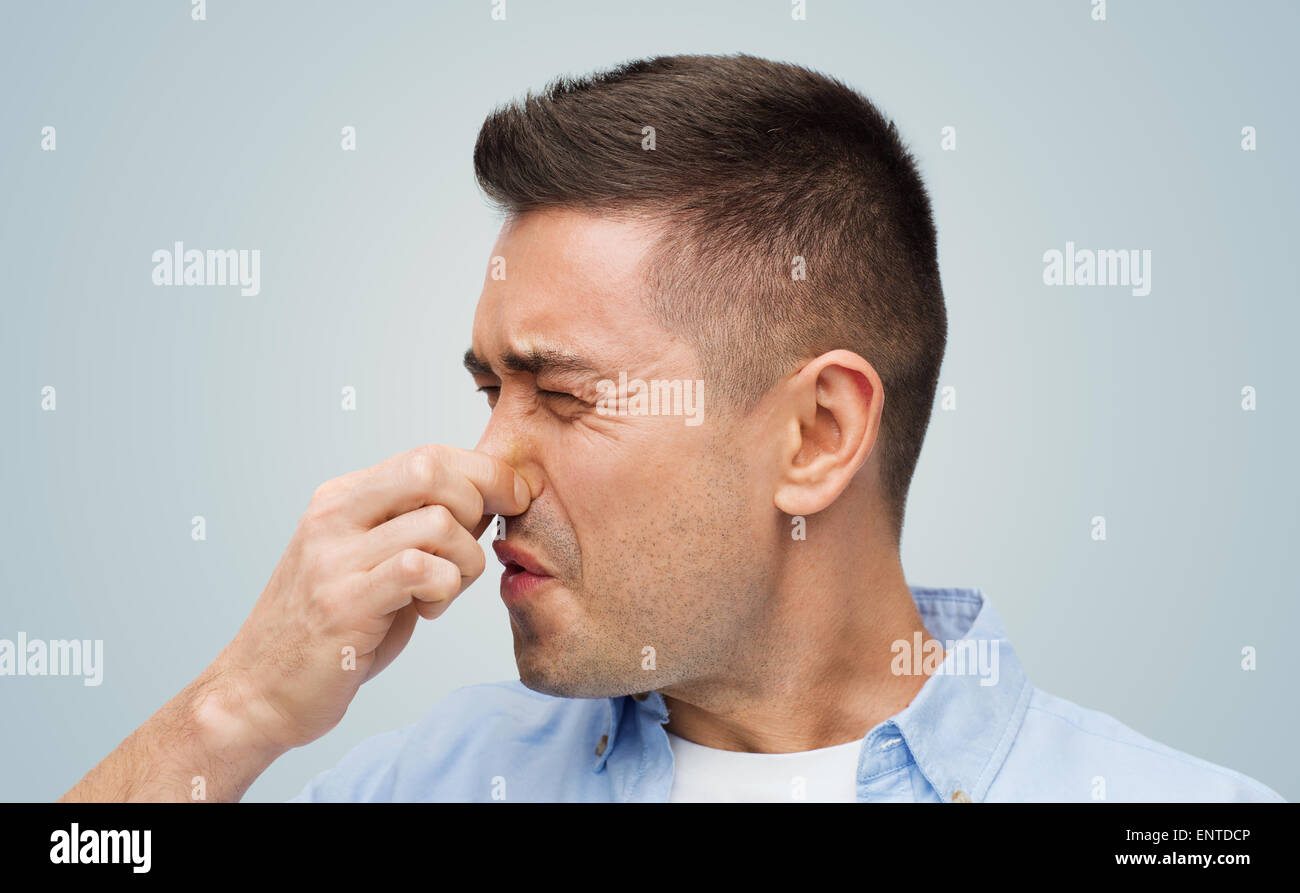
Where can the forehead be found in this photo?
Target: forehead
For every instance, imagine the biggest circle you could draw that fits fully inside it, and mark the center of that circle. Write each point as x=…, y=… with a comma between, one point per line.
x=572, y=281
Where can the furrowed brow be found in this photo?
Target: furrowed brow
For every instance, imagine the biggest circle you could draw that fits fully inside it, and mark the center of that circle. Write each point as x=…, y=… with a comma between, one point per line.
x=533, y=361
x=474, y=365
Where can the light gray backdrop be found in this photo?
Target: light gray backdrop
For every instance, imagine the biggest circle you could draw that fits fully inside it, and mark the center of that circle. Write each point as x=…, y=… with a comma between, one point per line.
x=1070, y=402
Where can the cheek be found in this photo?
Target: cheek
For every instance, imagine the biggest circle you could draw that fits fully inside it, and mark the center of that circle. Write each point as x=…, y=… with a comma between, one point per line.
x=603, y=483
x=650, y=486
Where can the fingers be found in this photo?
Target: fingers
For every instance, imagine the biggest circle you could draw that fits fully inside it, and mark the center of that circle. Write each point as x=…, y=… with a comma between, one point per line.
x=469, y=483
x=398, y=635
x=433, y=529
x=412, y=576
x=505, y=492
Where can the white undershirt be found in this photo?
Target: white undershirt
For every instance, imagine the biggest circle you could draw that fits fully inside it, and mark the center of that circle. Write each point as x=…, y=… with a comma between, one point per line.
x=707, y=775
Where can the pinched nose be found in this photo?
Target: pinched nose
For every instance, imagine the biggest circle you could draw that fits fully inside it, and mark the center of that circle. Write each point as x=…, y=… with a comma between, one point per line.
x=511, y=450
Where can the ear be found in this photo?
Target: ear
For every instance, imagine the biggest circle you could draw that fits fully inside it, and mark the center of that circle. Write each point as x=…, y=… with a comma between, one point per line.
x=835, y=403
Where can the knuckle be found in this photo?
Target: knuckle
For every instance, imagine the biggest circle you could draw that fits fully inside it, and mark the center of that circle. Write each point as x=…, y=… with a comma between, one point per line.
x=422, y=469
x=442, y=521
x=411, y=564
x=328, y=492
x=320, y=509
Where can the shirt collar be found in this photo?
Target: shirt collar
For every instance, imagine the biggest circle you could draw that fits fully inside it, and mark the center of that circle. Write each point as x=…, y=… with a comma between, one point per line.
x=959, y=729
x=961, y=725
x=652, y=707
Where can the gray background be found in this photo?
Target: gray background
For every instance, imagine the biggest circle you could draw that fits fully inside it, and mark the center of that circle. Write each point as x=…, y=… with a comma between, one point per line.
x=1071, y=402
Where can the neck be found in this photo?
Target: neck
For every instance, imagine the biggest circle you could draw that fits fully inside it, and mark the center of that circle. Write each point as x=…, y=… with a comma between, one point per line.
x=816, y=671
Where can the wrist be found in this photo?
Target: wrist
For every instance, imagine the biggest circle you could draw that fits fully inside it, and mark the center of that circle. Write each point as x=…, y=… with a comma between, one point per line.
x=233, y=725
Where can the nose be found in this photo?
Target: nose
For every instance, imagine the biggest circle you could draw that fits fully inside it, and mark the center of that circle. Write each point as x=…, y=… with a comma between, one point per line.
x=508, y=443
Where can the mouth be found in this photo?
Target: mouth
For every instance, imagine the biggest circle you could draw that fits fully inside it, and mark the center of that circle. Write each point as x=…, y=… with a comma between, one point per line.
x=516, y=558
x=523, y=573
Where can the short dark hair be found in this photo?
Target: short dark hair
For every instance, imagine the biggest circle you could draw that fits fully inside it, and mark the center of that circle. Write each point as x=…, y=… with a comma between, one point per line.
x=755, y=163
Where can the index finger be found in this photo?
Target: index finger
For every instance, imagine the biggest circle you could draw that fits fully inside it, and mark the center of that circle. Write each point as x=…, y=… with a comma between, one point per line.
x=469, y=483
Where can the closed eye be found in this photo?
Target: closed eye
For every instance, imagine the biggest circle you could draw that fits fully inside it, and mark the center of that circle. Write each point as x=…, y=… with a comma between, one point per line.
x=493, y=391
x=561, y=395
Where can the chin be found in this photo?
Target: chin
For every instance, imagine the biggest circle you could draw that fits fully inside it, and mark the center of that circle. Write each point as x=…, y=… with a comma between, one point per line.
x=565, y=679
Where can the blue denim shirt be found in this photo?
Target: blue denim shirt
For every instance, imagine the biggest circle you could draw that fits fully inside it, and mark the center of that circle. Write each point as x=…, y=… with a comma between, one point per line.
x=962, y=738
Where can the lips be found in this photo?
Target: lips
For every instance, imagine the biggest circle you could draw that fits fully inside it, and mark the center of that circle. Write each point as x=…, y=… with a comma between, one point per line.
x=516, y=560
x=524, y=575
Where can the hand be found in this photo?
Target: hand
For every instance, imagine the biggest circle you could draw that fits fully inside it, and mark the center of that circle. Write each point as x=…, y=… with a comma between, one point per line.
x=375, y=550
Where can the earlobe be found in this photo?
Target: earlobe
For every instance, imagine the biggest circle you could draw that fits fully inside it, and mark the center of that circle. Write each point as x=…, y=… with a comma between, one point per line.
x=794, y=501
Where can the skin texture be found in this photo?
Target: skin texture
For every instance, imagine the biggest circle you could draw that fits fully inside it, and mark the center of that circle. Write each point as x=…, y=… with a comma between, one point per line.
x=678, y=538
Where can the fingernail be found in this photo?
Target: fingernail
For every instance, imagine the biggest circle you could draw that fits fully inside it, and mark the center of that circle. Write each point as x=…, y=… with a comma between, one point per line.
x=522, y=493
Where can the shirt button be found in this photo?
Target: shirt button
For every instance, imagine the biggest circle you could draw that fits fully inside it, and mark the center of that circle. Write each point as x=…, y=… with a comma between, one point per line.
x=600, y=748
x=960, y=796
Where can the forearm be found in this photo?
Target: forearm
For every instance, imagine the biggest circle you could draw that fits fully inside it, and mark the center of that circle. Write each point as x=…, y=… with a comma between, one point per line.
x=201, y=745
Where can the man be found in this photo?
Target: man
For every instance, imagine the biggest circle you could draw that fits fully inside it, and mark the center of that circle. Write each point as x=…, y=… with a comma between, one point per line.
x=710, y=335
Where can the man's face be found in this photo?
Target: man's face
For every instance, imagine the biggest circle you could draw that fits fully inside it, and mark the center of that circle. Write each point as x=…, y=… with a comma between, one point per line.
x=655, y=532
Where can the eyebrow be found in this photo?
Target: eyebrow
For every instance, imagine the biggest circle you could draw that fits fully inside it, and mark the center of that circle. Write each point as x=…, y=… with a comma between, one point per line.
x=532, y=361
